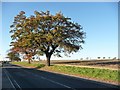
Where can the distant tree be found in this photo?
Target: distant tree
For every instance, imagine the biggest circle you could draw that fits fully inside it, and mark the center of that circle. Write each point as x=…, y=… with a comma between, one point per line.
x=98, y=57
x=103, y=57
x=81, y=59
x=13, y=56
x=114, y=58
x=87, y=58
x=108, y=57
x=47, y=34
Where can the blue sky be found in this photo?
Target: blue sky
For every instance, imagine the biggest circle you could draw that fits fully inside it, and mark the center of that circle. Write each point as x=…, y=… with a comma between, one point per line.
x=60, y=0
x=99, y=21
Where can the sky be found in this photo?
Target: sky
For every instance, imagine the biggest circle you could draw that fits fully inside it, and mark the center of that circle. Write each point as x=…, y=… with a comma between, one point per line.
x=59, y=0
x=98, y=19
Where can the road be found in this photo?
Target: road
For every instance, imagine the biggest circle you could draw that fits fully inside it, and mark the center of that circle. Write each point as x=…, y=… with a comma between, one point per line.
x=18, y=78
x=0, y=78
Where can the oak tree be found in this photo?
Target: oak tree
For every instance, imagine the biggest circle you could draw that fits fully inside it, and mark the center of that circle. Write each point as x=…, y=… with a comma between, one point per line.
x=47, y=34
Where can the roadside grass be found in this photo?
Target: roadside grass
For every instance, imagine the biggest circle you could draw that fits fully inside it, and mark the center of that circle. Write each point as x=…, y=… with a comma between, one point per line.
x=26, y=64
x=100, y=74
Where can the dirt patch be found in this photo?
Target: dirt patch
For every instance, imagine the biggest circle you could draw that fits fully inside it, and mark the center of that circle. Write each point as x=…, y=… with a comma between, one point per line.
x=110, y=64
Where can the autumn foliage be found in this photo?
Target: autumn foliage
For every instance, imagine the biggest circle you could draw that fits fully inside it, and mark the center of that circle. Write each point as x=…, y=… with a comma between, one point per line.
x=46, y=34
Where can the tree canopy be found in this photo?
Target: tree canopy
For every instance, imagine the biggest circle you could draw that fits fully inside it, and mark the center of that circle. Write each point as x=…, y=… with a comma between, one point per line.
x=44, y=33
x=13, y=56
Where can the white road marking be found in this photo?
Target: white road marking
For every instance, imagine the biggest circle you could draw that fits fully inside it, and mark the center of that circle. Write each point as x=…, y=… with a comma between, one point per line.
x=18, y=85
x=13, y=80
x=48, y=79
x=9, y=79
x=56, y=82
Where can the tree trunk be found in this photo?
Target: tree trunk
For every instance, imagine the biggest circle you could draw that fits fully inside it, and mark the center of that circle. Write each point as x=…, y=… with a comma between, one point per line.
x=29, y=61
x=39, y=59
x=48, y=59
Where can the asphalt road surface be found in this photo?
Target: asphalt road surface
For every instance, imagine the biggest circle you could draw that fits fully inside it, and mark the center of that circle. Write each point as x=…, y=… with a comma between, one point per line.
x=0, y=78
x=18, y=78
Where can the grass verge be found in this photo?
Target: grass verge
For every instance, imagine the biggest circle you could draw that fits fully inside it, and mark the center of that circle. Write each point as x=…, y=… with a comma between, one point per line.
x=26, y=64
x=103, y=74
